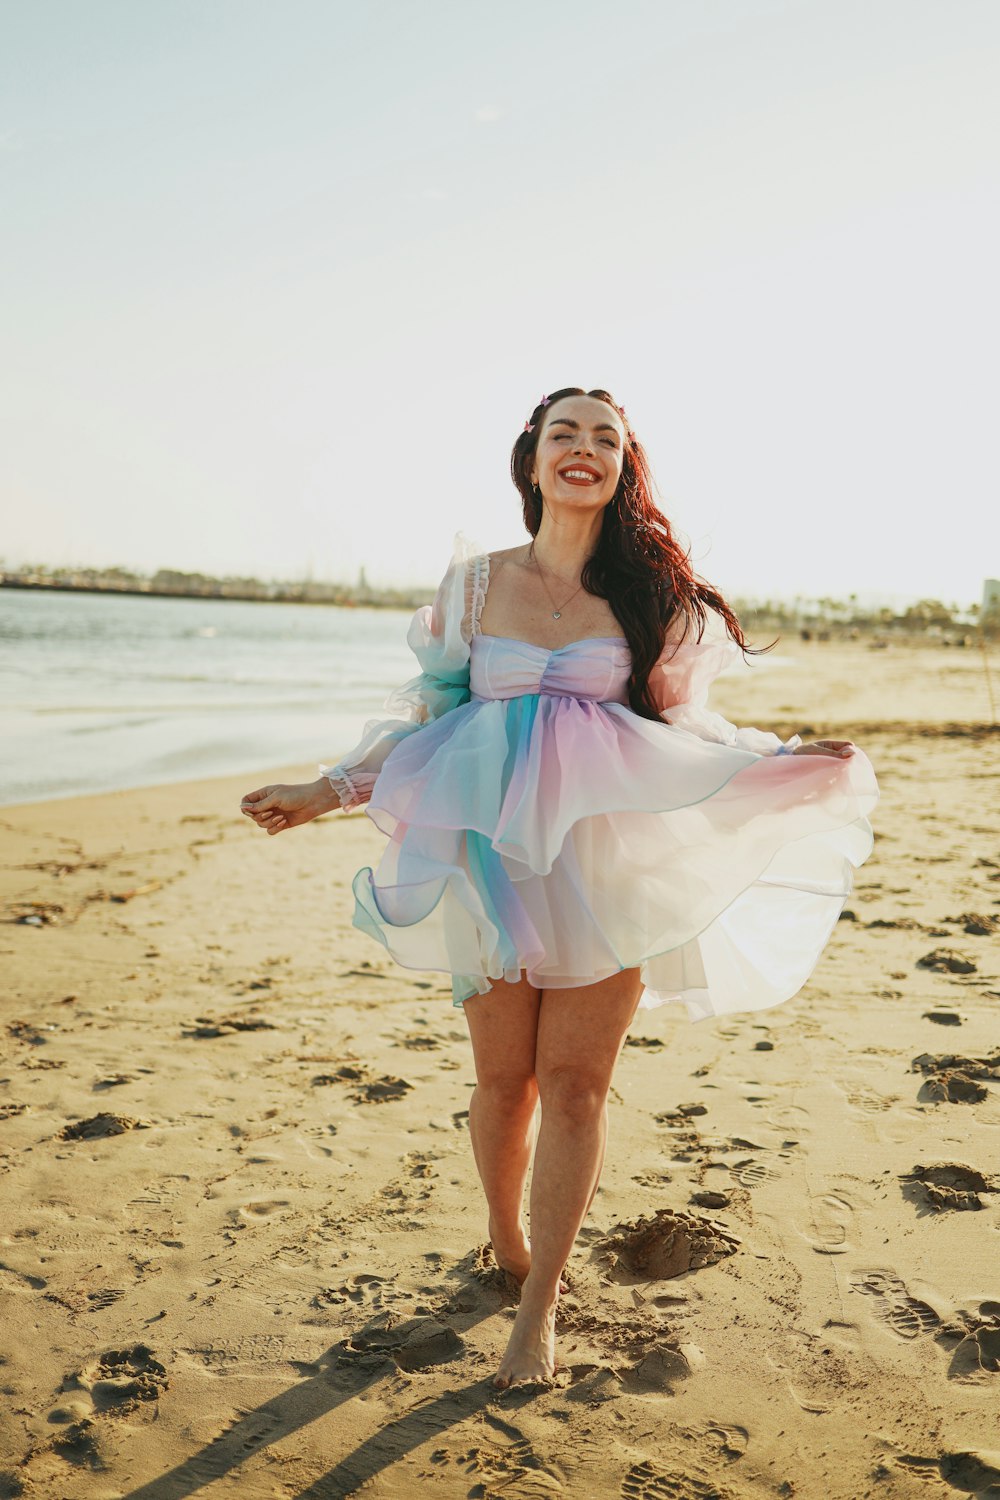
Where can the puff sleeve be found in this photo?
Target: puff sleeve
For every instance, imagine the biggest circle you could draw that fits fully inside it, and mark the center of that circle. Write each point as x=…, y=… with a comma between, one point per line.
x=439, y=638
x=679, y=684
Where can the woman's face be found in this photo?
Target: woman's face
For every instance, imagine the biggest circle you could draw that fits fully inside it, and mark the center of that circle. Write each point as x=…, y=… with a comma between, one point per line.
x=579, y=454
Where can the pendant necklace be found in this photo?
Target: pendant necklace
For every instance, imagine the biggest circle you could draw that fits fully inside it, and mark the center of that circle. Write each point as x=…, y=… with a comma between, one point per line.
x=556, y=609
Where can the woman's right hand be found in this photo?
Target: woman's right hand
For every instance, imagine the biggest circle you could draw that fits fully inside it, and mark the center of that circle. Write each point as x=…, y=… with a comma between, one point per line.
x=275, y=808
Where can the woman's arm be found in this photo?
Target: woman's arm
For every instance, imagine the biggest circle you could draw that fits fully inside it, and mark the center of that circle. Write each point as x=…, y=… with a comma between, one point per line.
x=679, y=684
x=275, y=808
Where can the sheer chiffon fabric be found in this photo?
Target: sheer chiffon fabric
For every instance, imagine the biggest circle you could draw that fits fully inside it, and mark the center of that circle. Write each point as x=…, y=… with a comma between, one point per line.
x=537, y=826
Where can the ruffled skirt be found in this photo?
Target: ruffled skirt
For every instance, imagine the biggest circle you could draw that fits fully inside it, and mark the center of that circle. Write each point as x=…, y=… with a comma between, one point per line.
x=566, y=840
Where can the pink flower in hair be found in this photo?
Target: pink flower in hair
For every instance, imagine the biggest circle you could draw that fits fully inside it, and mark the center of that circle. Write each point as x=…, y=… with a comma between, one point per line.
x=528, y=427
x=544, y=401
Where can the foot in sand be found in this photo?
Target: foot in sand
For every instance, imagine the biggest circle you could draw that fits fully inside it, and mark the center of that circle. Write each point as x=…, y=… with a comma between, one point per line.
x=512, y=1254
x=530, y=1356
x=511, y=1250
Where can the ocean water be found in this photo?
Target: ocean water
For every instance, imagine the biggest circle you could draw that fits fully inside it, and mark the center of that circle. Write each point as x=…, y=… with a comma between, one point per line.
x=99, y=692
x=102, y=691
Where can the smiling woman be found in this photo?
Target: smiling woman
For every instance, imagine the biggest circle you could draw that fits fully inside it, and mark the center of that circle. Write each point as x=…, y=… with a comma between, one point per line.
x=573, y=833
x=579, y=453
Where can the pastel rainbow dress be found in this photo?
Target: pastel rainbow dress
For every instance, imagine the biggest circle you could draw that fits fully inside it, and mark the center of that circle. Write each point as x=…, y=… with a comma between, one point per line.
x=536, y=825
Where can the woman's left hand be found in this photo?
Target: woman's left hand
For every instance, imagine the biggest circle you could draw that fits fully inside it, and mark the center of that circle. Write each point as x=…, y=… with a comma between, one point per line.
x=842, y=749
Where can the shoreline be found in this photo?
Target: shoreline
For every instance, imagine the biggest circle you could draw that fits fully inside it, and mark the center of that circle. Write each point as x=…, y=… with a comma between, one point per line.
x=296, y=594
x=260, y=776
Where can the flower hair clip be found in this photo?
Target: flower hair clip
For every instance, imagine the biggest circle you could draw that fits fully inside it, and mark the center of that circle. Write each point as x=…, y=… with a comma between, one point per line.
x=529, y=425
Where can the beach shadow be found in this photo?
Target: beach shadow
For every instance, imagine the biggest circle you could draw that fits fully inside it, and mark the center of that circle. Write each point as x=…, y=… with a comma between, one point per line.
x=327, y=1387
x=383, y=1347
x=396, y=1439
x=331, y=1386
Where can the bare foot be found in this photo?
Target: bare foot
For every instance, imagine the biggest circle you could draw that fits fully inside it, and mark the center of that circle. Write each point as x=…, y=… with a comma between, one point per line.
x=511, y=1251
x=531, y=1350
x=513, y=1255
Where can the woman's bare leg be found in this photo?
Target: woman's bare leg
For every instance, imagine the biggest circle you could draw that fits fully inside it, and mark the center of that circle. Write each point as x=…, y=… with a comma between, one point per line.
x=503, y=1026
x=580, y=1035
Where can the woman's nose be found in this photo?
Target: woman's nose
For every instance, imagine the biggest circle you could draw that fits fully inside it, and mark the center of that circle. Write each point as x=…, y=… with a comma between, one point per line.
x=583, y=444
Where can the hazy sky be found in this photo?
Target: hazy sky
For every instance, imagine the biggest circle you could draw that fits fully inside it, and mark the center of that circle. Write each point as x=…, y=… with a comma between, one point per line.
x=283, y=281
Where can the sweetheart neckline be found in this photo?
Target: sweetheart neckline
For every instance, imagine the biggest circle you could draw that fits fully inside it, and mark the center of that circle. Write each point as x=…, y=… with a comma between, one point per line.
x=549, y=650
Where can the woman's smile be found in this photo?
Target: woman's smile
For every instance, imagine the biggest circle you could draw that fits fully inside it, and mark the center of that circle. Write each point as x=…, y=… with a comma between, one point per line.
x=580, y=474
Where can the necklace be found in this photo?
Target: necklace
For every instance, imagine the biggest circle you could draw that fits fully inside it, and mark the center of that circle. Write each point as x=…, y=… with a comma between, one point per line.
x=557, y=609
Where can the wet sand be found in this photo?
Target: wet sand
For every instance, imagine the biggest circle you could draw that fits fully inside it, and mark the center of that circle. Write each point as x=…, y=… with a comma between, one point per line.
x=243, y=1244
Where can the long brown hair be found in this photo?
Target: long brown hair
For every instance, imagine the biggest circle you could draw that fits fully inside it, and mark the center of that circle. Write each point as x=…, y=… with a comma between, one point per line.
x=639, y=567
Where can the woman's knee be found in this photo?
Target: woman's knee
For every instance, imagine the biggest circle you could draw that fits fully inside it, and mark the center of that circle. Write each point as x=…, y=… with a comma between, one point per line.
x=510, y=1087
x=578, y=1092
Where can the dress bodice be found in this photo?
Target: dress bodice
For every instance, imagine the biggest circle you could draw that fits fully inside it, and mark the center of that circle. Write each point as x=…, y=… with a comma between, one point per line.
x=596, y=668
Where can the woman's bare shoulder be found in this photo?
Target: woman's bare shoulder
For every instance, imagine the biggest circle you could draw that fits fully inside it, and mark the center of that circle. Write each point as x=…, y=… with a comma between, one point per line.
x=504, y=555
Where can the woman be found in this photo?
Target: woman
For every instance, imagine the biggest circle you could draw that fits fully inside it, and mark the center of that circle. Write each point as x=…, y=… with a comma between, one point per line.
x=574, y=833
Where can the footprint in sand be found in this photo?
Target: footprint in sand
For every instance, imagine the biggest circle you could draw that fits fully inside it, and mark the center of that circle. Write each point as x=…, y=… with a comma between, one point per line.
x=21, y=1281
x=664, y=1245
x=415, y=1344
x=952, y=1088
x=210, y=1026
x=752, y=1173
x=99, y=1126
x=710, y=1198
x=972, y=1473
x=871, y=1102
x=106, y=1297
x=647, y=1481
x=262, y=1208
x=979, y=924
x=314, y=1150
x=119, y=1379
x=947, y=961
x=83, y=1442
x=359, y=1289
x=419, y=1042
x=977, y=1339
x=974, y=1067
x=418, y=1163
x=661, y=1369
x=907, y=1316
x=650, y=1179
x=727, y=1442
x=368, y=1090
x=949, y=1185
x=380, y=1090
x=828, y=1228
x=793, y=1116
x=955, y=1079
x=508, y=1465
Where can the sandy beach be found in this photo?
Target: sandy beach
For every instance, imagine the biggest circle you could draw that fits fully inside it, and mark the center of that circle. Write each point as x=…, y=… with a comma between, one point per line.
x=243, y=1243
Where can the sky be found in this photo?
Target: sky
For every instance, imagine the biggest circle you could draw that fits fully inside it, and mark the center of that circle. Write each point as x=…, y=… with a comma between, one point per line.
x=283, y=282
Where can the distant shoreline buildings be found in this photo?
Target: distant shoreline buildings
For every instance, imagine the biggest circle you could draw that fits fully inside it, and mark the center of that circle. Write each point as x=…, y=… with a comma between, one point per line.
x=168, y=583
x=811, y=616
